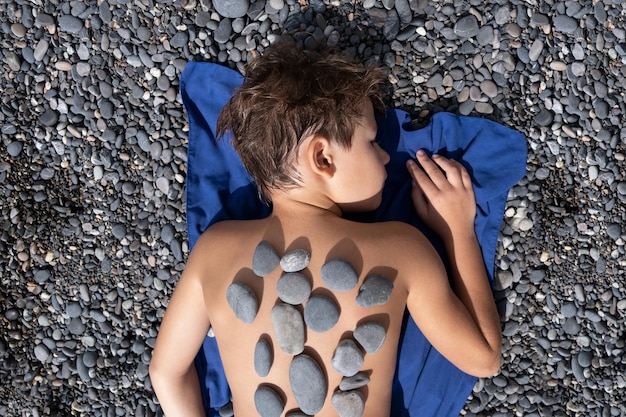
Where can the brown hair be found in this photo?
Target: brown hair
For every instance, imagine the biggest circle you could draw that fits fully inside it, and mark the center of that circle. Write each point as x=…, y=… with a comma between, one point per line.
x=288, y=95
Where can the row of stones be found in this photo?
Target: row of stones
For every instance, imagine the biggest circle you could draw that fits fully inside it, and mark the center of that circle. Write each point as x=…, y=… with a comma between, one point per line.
x=307, y=380
x=294, y=288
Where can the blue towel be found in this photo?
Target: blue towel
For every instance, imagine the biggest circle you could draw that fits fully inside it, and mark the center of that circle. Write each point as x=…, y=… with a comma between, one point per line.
x=218, y=188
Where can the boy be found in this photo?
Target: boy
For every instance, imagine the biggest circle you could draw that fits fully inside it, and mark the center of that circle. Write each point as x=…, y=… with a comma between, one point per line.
x=304, y=127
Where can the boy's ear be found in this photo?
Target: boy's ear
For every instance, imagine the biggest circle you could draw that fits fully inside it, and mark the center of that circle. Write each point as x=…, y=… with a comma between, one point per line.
x=320, y=156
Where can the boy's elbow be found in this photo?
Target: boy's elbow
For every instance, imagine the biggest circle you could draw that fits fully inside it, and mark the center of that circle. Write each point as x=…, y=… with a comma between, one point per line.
x=489, y=365
x=156, y=373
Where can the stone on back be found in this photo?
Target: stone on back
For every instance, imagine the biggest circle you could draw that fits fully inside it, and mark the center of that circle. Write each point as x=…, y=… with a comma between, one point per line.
x=265, y=259
x=339, y=275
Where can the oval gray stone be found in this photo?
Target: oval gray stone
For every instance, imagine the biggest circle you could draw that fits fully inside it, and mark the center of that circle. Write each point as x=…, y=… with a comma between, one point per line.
x=243, y=301
x=265, y=259
x=348, y=358
x=296, y=414
x=293, y=288
x=263, y=358
x=339, y=275
x=371, y=336
x=267, y=402
x=375, y=290
x=226, y=410
x=320, y=313
x=353, y=382
x=308, y=384
x=295, y=260
x=348, y=403
x=288, y=328
x=231, y=8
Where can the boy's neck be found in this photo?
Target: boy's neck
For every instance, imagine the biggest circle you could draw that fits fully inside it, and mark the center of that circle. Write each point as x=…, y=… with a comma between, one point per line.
x=285, y=207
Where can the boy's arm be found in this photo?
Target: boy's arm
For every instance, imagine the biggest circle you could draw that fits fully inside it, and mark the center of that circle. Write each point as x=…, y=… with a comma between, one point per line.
x=183, y=329
x=444, y=199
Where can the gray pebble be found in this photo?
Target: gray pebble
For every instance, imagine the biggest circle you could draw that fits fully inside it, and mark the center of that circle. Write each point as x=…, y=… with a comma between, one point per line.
x=466, y=27
x=544, y=117
x=263, y=358
x=296, y=414
x=348, y=358
x=371, y=336
x=48, y=118
x=14, y=148
x=40, y=50
x=308, y=384
x=12, y=61
x=267, y=402
x=44, y=19
x=320, y=313
x=42, y=352
x=568, y=310
x=265, y=259
x=354, y=382
x=489, y=88
x=231, y=8
x=293, y=288
x=90, y=358
x=571, y=326
x=565, y=24
x=288, y=328
x=614, y=231
x=485, y=35
x=223, y=32
x=539, y=19
x=179, y=39
x=76, y=326
x=12, y=314
x=70, y=24
x=535, y=50
x=339, y=275
x=295, y=260
x=243, y=301
x=584, y=358
x=348, y=403
x=374, y=291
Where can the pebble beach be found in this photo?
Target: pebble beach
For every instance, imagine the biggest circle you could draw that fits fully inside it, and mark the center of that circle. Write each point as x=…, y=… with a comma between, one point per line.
x=93, y=142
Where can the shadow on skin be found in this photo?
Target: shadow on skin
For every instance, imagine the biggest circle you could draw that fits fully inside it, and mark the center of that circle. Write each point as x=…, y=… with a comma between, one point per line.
x=347, y=249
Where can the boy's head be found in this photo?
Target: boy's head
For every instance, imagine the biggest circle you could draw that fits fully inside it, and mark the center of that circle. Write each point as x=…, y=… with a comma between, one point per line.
x=289, y=95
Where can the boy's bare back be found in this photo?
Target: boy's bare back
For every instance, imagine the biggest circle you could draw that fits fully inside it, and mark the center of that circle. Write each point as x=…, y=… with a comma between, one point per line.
x=224, y=256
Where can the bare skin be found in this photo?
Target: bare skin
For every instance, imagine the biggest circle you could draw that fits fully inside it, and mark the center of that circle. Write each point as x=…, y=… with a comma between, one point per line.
x=462, y=325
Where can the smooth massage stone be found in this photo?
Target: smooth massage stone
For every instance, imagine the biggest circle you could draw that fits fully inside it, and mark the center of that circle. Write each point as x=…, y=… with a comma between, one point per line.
x=265, y=259
x=289, y=328
x=295, y=260
x=348, y=403
x=263, y=358
x=353, y=382
x=243, y=301
x=320, y=313
x=375, y=290
x=297, y=414
x=370, y=336
x=226, y=410
x=293, y=288
x=308, y=384
x=339, y=275
x=348, y=358
x=268, y=403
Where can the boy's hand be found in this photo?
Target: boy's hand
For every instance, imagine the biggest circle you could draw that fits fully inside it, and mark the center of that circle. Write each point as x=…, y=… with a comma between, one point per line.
x=443, y=195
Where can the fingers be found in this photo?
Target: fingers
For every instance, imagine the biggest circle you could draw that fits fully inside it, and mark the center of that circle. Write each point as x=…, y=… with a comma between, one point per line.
x=442, y=172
